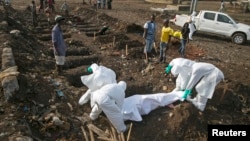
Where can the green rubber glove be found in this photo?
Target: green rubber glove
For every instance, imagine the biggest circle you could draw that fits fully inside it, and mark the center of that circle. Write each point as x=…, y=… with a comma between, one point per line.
x=89, y=70
x=168, y=69
x=186, y=93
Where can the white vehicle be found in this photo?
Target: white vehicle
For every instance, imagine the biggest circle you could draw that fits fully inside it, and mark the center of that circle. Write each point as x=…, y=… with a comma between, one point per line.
x=217, y=23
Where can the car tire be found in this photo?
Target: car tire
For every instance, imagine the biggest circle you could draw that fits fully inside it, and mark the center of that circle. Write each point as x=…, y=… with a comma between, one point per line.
x=239, y=38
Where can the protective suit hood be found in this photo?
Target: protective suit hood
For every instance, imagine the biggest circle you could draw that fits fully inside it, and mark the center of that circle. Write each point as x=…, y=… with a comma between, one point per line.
x=94, y=67
x=123, y=85
x=90, y=82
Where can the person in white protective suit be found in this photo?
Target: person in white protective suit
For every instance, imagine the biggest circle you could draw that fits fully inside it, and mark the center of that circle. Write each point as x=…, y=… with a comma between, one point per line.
x=109, y=99
x=180, y=68
x=204, y=77
x=192, y=25
x=100, y=76
x=94, y=68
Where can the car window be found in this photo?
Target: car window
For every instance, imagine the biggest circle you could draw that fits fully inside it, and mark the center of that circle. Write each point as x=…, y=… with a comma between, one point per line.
x=209, y=16
x=223, y=18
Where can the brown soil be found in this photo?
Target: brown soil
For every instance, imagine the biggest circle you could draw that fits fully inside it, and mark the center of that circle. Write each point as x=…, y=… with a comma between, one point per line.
x=25, y=113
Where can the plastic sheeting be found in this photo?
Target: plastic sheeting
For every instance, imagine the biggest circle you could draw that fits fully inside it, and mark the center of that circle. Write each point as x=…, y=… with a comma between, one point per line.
x=137, y=105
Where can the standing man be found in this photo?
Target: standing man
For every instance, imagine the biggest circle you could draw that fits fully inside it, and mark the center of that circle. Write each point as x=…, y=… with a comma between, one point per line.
x=184, y=38
x=41, y=6
x=65, y=9
x=103, y=4
x=51, y=5
x=222, y=6
x=109, y=4
x=192, y=25
x=33, y=13
x=99, y=4
x=166, y=33
x=149, y=36
x=58, y=43
x=48, y=13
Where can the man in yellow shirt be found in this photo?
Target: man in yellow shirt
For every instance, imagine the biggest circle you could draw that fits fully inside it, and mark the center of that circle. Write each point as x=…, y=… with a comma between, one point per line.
x=166, y=33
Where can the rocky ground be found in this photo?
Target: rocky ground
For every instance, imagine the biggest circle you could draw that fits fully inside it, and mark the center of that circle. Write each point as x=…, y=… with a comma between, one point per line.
x=37, y=112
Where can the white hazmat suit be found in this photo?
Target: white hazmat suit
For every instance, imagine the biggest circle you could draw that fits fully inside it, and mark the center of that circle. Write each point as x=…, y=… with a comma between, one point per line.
x=191, y=25
x=101, y=76
x=205, y=76
x=181, y=68
x=105, y=95
x=109, y=99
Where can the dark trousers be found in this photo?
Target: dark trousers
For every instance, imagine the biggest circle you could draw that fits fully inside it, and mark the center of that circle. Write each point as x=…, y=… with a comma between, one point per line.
x=182, y=47
x=109, y=5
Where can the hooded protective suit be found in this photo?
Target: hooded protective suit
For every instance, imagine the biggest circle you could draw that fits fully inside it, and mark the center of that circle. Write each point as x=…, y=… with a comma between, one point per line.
x=207, y=76
x=181, y=68
x=191, y=25
x=101, y=76
x=109, y=99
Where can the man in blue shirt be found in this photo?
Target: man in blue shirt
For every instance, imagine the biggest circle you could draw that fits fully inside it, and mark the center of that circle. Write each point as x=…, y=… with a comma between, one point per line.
x=149, y=36
x=59, y=44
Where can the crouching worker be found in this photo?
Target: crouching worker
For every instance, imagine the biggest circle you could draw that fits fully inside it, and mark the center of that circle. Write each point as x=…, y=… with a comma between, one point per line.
x=204, y=77
x=109, y=99
x=180, y=68
x=102, y=70
x=104, y=94
x=99, y=77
